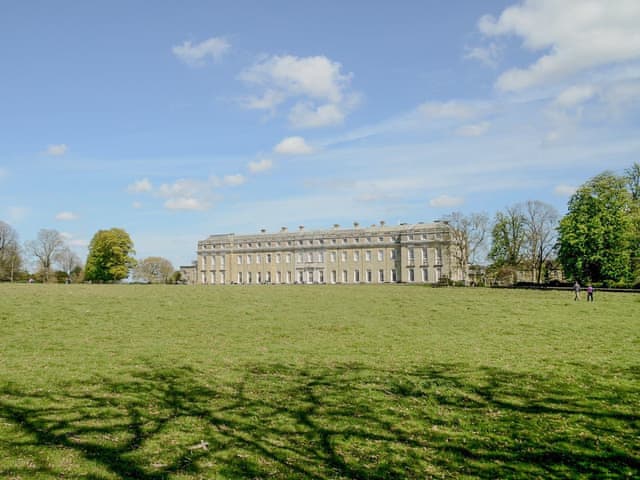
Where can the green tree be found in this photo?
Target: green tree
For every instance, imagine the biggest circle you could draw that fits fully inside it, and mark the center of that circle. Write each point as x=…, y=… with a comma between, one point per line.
x=595, y=237
x=153, y=270
x=109, y=256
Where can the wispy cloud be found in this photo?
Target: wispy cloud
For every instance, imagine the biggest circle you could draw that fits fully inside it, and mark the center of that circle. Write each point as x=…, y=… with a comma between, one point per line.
x=260, y=165
x=196, y=55
x=140, y=186
x=66, y=216
x=474, y=130
x=57, y=150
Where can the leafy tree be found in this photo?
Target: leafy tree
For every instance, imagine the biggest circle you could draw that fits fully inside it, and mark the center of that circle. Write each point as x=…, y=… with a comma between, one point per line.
x=109, y=256
x=45, y=249
x=596, y=235
x=508, y=237
x=469, y=232
x=541, y=221
x=153, y=270
x=632, y=177
x=10, y=255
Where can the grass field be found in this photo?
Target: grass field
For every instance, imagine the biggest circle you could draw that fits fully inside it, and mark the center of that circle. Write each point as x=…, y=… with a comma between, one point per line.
x=365, y=382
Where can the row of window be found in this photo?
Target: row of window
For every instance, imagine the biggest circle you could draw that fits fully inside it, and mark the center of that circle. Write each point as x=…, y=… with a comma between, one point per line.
x=319, y=257
x=318, y=276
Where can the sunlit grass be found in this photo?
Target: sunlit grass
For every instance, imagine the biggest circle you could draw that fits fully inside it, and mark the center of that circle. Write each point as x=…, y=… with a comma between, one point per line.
x=155, y=382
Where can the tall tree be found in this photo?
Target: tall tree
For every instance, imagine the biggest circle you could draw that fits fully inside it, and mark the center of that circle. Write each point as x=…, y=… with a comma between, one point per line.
x=153, y=270
x=508, y=237
x=632, y=177
x=109, y=256
x=541, y=221
x=595, y=236
x=44, y=249
x=10, y=256
x=469, y=233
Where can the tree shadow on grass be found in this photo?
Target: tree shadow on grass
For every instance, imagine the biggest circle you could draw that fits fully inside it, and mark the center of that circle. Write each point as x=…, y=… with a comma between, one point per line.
x=347, y=421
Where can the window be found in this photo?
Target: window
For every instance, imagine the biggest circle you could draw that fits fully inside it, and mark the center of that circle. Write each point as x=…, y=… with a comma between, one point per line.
x=239, y=277
x=380, y=255
x=259, y=277
x=204, y=264
x=343, y=256
x=204, y=277
x=411, y=255
x=222, y=278
x=301, y=276
x=394, y=275
x=287, y=259
x=333, y=241
x=222, y=262
x=344, y=240
x=381, y=276
x=321, y=276
x=438, y=260
x=239, y=260
x=212, y=261
x=369, y=276
x=310, y=277
x=356, y=256
x=213, y=277
x=309, y=257
x=277, y=258
x=424, y=256
x=320, y=257
x=278, y=277
x=392, y=254
x=425, y=275
x=332, y=256
x=249, y=277
x=357, y=240
x=368, y=239
x=288, y=277
x=356, y=275
x=381, y=239
x=258, y=258
x=267, y=277
x=367, y=255
x=248, y=259
x=299, y=258
x=412, y=275
x=268, y=258
x=345, y=276
x=334, y=276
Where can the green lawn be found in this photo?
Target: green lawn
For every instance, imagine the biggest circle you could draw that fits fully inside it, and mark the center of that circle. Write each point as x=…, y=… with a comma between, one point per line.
x=155, y=382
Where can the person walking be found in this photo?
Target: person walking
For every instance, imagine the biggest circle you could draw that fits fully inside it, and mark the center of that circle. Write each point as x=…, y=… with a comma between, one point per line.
x=576, y=291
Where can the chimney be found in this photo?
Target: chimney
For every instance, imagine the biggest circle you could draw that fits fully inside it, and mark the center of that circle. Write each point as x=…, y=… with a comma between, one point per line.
x=263, y=230
x=301, y=227
x=356, y=224
x=283, y=229
x=336, y=225
x=382, y=223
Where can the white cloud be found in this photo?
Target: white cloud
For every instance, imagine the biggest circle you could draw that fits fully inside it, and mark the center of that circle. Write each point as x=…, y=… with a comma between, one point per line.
x=474, y=130
x=196, y=55
x=307, y=115
x=577, y=34
x=446, y=201
x=575, y=95
x=323, y=91
x=234, y=180
x=140, y=186
x=66, y=216
x=57, y=150
x=260, y=166
x=186, y=203
x=293, y=146
x=564, y=190
x=488, y=55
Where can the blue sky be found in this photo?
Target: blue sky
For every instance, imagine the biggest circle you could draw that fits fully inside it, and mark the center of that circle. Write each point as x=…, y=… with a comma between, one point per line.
x=176, y=120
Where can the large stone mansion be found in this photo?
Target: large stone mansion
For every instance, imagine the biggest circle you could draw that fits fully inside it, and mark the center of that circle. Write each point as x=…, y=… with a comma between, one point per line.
x=406, y=253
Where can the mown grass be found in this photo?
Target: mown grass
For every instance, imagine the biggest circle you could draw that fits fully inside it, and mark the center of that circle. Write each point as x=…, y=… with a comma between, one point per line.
x=150, y=382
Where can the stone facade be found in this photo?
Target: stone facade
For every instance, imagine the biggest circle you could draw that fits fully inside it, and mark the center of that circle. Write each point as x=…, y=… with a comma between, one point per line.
x=407, y=253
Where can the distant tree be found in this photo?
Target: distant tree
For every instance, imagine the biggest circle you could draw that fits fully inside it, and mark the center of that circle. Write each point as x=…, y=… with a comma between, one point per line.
x=541, y=222
x=632, y=177
x=469, y=232
x=109, y=256
x=10, y=253
x=45, y=249
x=509, y=236
x=68, y=261
x=153, y=270
x=596, y=235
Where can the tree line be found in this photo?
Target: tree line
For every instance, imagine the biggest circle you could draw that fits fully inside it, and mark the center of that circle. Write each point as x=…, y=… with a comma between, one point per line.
x=598, y=240
x=110, y=259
